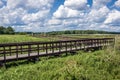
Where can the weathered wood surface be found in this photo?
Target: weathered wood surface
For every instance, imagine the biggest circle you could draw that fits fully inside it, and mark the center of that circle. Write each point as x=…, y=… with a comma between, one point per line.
x=28, y=50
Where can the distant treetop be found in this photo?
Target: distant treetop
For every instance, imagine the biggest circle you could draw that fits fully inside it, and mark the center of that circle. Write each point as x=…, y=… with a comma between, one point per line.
x=6, y=30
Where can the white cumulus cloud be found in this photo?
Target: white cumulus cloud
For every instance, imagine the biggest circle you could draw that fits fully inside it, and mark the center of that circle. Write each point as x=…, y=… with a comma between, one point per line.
x=35, y=15
x=98, y=15
x=76, y=14
x=54, y=22
x=65, y=12
x=100, y=3
x=1, y=3
x=25, y=13
x=113, y=18
x=117, y=3
x=76, y=4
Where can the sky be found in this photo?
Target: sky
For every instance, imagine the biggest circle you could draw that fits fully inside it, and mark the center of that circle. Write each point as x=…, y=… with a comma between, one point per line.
x=58, y=15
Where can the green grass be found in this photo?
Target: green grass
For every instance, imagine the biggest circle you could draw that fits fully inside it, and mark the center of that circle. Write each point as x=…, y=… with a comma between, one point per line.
x=27, y=38
x=19, y=38
x=89, y=35
x=99, y=65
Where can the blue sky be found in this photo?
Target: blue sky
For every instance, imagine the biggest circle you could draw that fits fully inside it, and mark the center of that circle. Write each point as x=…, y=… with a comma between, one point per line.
x=57, y=15
x=56, y=5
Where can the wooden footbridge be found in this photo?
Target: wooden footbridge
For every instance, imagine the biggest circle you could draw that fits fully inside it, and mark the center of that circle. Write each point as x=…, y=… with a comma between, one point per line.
x=32, y=50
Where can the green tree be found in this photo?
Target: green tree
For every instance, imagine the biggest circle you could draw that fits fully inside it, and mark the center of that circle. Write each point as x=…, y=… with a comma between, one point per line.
x=9, y=30
x=2, y=30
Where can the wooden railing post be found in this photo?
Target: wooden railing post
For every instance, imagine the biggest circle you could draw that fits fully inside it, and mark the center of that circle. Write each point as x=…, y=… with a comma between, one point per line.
x=29, y=50
x=97, y=42
x=84, y=44
x=17, y=51
x=38, y=49
x=114, y=42
x=102, y=43
x=56, y=46
x=80, y=44
x=21, y=49
x=70, y=45
x=105, y=42
x=75, y=45
x=87, y=43
x=60, y=47
x=4, y=52
x=43, y=47
x=90, y=43
x=10, y=50
x=52, y=47
x=66, y=47
x=46, y=48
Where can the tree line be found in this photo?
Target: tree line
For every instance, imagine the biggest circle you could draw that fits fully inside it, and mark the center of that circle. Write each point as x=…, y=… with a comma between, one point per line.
x=6, y=30
x=10, y=30
x=78, y=32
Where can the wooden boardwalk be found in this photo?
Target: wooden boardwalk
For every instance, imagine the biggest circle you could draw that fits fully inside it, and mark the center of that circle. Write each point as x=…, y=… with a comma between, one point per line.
x=31, y=50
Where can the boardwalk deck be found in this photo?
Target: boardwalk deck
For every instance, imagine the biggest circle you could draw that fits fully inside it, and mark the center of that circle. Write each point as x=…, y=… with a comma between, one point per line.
x=28, y=50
